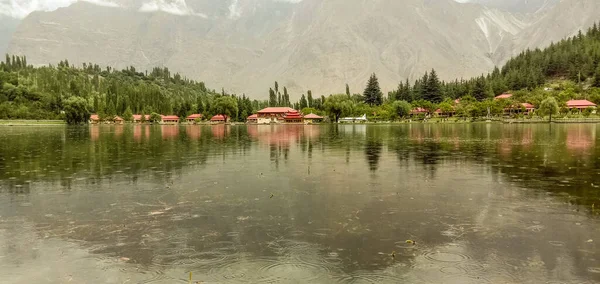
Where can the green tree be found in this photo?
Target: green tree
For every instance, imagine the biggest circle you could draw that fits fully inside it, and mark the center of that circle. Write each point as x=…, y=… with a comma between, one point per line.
x=272, y=98
x=76, y=110
x=155, y=117
x=310, y=101
x=402, y=108
x=303, y=103
x=549, y=107
x=446, y=107
x=128, y=115
x=432, y=90
x=596, y=81
x=338, y=105
x=227, y=106
x=347, y=90
x=372, y=94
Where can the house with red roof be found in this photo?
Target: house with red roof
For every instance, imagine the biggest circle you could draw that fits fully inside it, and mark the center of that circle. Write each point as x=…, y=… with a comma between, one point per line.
x=94, y=119
x=293, y=116
x=273, y=114
x=193, y=117
x=219, y=118
x=503, y=96
x=169, y=119
x=312, y=118
x=118, y=120
x=580, y=104
x=419, y=110
x=137, y=118
x=252, y=119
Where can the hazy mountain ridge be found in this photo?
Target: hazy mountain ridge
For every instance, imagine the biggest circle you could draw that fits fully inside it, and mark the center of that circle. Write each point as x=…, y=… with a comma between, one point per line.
x=245, y=45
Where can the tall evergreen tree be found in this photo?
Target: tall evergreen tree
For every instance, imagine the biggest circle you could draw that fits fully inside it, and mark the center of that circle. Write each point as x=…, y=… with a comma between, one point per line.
x=372, y=94
x=310, y=100
x=432, y=90
x=347, y=90
x=303, y=103
x=272, y=98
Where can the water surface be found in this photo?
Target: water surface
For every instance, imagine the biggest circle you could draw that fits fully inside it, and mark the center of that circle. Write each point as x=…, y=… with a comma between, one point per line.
x=484, y=203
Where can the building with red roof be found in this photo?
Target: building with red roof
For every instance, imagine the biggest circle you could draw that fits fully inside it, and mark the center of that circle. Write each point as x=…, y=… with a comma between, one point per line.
x=580, y=104
x=118, y=120
x=94, y=119
x=219, y=118
x=312, y=118
x=419, y=110
x=293, y=116
x=273, y=114
x=193, y=117
x=503, y=96
x=169, y=119
x=138, y=118
x=252, y=119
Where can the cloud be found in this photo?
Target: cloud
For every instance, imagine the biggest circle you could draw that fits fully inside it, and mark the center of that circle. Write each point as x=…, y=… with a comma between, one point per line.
x=175, y=7
x=21, y=8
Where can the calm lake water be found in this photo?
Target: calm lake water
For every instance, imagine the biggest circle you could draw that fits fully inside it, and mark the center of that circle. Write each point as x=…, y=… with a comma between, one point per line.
x=300, y=204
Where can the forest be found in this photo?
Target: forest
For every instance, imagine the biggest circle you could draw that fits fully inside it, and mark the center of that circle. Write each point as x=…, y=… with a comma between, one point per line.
x=569, y=69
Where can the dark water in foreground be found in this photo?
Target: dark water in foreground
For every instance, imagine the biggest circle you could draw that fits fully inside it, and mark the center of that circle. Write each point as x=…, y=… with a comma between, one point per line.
x=300, y=204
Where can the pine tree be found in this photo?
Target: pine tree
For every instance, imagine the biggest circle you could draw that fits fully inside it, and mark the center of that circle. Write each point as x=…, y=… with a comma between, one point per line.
x=479, y=89
x=279, y=101
x=372, y=94
x=432, y=90
x=286, y=97
x=310, y=101
x=596, y=82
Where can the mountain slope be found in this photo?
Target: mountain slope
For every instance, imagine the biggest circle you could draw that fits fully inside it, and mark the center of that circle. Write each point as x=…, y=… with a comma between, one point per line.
x=245, y=45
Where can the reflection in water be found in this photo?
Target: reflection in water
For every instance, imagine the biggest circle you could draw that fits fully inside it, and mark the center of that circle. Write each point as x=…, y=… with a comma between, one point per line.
x=249, y=204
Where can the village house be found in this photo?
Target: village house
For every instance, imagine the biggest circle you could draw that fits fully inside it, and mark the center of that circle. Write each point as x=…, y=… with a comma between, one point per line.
x=193, y=117
x=169, y=119
x=252, y=119
x=219, y=118
x=137, y=118
x=580, y=104
x=273, y=114
x=312, y=118
x=94, y=119
x=418, y=111
x=524, y=108
x=118, y=120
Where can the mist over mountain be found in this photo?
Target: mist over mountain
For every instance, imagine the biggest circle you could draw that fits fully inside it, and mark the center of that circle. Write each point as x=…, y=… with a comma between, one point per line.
x=245, y=45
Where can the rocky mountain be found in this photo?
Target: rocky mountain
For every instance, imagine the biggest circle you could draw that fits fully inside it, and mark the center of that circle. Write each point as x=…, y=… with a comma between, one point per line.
x=517, y=6
x=8, y=25
x=245, y=45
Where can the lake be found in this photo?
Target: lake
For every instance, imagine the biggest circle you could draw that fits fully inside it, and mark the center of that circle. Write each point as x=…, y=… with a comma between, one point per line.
x=413, y=203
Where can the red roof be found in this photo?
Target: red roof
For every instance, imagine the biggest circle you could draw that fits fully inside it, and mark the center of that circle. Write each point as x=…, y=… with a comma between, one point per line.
x=503, y=96
x=313, y=116
x=580, y=103
x=218, y=117
x=139, y=117
x=528, y=106
x=254, y=116
x=194, y=116
x=94, y=117
x=439, y=110
x=293, y=115
x=419, y=110
x=276, y=110
x=169, y=117
x=118, y=118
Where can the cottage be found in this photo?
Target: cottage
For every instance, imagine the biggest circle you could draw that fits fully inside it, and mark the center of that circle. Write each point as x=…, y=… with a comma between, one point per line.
x=439, y=112
x=293, y=117
x=118, y=120
x=419, y=110
x=580, y=104
x=312, y=118
x=273, y=114
x=503, y=96
x=219, y=118
x=94, y=119
x=193, y=117
x=525, y=108
x=137, y=118
x=252, y=119
x=169, y=119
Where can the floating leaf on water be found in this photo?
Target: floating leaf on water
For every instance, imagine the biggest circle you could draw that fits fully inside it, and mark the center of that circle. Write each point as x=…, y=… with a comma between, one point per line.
x=411, y=242
x=589, y=241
